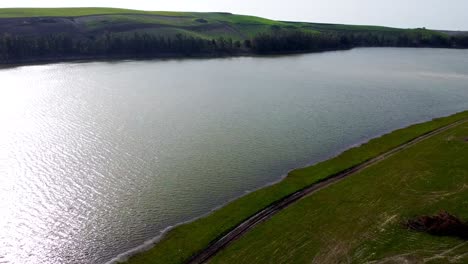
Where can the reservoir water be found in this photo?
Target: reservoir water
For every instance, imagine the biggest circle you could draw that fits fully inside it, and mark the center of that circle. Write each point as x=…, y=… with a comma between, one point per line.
x=97, y=158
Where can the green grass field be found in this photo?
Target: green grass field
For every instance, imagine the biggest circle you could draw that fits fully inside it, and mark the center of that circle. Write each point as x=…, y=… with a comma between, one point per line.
x=184, y=241
x=76, y=11
x=188, y=16
x=360, y=219
x=213, y=16
x=205, y=25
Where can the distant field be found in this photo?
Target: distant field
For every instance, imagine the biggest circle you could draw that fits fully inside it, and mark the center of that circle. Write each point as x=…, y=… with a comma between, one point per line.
x=186, y=240
x=359, y=220
x=95, y=21
x=73, y=12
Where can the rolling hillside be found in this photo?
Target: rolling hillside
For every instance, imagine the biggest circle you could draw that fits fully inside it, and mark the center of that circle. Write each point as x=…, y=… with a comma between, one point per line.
x=86, y=22
x=58, y=34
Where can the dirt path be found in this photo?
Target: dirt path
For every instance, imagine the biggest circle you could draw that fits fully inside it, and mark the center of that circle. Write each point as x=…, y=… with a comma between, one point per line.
x=274, y=208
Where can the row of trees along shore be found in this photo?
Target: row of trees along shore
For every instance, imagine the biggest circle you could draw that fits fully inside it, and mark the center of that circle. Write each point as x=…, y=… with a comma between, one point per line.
x=62, y=46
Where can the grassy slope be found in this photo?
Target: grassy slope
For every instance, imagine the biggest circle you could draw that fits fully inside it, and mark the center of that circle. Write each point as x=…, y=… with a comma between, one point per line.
x=182, y=242
x=73, y=12
x=217, y=24
x=359, y=219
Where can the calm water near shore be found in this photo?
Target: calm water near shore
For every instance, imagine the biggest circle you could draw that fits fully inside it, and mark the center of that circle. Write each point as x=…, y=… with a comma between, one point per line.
x=97, y=158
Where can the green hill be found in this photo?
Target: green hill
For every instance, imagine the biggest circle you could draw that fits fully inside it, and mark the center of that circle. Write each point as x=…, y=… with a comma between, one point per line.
x=93, y=21
x=57, y=34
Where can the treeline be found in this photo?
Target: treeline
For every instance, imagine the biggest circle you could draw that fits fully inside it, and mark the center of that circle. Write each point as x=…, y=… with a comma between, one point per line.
x=296, y=41
x=14, y=48
x=56, y=47
x=284, y=41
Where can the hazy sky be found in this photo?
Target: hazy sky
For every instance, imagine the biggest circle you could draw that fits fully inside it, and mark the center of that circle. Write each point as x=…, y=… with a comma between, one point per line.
x=437, y=14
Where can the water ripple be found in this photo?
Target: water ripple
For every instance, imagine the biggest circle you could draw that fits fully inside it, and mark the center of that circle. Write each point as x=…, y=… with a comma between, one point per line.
x=97, y=159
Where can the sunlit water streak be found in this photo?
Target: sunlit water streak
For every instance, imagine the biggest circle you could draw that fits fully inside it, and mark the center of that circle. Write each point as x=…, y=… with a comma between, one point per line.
x=97, y=158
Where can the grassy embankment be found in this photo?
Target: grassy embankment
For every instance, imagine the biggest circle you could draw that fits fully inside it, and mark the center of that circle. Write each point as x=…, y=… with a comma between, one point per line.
x=203, y=25
x=184, y=241
x=94, y=21
x=359, y=220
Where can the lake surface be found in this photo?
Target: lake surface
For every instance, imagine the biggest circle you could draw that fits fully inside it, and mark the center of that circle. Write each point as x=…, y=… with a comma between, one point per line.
x=97, y=158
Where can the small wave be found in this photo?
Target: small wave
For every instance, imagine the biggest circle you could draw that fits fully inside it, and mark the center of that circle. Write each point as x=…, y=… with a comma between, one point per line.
x=148, y=244
x=449, y=75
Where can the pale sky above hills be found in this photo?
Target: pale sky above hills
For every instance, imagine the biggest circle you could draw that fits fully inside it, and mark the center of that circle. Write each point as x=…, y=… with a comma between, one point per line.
x=436, y=14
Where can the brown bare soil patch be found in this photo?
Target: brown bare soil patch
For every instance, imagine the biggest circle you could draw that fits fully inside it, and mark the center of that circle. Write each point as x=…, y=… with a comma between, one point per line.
x=442, y=224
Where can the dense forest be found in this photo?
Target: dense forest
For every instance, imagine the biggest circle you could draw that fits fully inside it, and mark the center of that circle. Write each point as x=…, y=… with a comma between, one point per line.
x=63, y=46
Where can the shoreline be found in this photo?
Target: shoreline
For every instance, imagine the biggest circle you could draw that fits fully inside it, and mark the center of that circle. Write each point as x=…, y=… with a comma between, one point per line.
x=150, y=243
x=123, y=58
x=168, y=56
x=267, y=213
